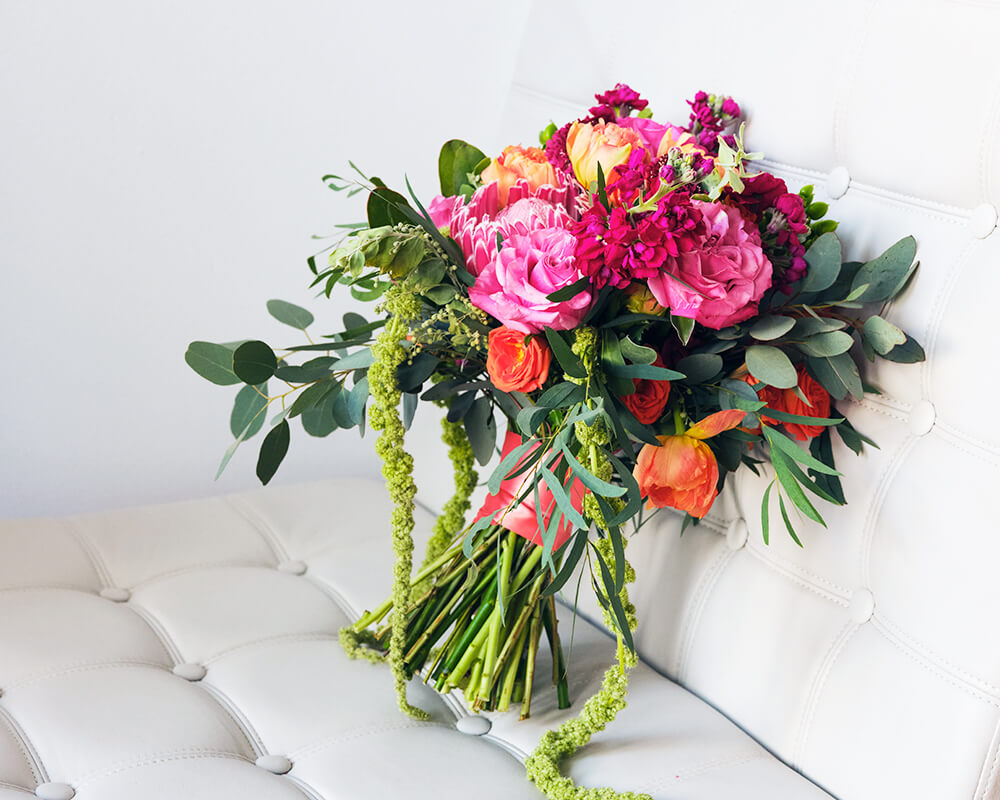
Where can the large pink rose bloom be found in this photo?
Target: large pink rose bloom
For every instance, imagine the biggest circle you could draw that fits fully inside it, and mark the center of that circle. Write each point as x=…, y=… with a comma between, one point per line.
x=728, y=268
x=515, y=285
x=475, y=225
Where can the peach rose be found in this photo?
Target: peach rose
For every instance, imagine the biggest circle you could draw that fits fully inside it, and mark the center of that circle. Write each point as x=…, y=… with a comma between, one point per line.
x=682, y=472
x=519, y=163
x=604, y=143
x=515, y=362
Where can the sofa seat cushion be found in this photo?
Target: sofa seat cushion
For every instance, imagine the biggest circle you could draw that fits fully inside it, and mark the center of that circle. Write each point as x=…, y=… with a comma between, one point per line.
x=190, y=650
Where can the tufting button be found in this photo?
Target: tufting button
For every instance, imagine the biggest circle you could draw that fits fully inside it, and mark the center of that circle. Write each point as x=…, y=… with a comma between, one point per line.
x=190, y=672
x=737, y=534
x=116, y=594
x=922, y=418
x=837, y=182
x=983, y=220
x=473, y=725
x=294, y=567
x=862, y=606
x=55, y=791
x=279, y=765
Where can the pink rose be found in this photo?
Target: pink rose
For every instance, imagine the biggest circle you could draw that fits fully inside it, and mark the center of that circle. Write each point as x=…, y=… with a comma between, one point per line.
x=727, y=267
x=515, y=285
x=521, y=518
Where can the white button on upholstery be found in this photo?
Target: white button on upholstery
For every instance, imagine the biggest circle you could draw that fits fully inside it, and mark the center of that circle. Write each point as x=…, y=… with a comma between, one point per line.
x=862, y=606
x=474, y=725
x=55, y=791
x=190, y=672
x=983, y=220
x=294, y=567
x=279, y=765
x=922, y=418
x=116, y=594
x=837, y=182
x=737, y=534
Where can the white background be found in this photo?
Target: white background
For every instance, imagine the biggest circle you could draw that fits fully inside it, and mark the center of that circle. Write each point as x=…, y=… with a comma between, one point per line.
x=160, y=171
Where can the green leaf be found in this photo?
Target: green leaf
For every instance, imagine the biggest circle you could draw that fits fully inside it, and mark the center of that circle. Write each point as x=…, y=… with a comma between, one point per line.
x=319, y=421
x=785, y=416
x=385, y=206
x=272, y=451
x=781, y=442
x=700, y=367
x=602, y=194
x=562, y=498
x=356, y=401
x=788, y=522
x=822, y=448
x=909, y=352
x=566, y=358
x=644, y=371
x=884, y=273
x=460, y=406
x=588, y=479
x=684, y=327
x=456, y=161
x=569, y=292
x=442, y=294
x=636, y=353
x=410, y=376
x=254, y=362
x=852, y=438
x=530, y=417
x=832, y=343
x=507, y=465
x=838, y=375
x=824, y=258
x=882, y=335
x=248, y=414
x=782, y=468
x=481, y=428
x=739, y=394
x=816, y=210
x=810, y=326
x=341, y=411
x=313, y=396
x=214, y=362
x=313, y=370
x=561, y=395
x=765, y=513
x=611, y=360
x=290, y=314
x=570, y=560
x=771, y=327
x=772, y=366
x=361, y=359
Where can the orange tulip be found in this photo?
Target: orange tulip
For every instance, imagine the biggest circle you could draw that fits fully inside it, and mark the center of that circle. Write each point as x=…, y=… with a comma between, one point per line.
x=682, y=472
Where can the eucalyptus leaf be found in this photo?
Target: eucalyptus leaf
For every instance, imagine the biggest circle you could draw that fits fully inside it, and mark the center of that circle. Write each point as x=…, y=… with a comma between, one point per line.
x=248, y=415
x=882, y=335
x=700, y=367
x=636, y=353
x=360, y=359
x=771, y=327
x=909, y=352
x=313, y=396
x=313, y=370
x=213, y=362
x=824, y=258
x=886, y=272
x=832, y=343
x=357, y=399
x=561, y=395
x=838, y=375
x=771, y=365
x=254, y=362
x=272, y=451
x=645, y=372
x=566, y=358
x=481, y=428
x=290, y=314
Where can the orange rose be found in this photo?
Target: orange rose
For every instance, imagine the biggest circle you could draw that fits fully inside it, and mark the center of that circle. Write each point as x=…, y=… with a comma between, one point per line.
x=519, y=163
x=515, y=362
x=788, y=401
x=602, y=143
x=649, y=399
x=682, y=471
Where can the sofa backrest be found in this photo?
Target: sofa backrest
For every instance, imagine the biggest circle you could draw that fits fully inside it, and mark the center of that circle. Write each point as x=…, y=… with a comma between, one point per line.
x=867, y=659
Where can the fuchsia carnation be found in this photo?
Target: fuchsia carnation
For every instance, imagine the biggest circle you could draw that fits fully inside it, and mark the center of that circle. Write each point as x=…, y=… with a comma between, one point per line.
x=515, y=285
x=727, y=271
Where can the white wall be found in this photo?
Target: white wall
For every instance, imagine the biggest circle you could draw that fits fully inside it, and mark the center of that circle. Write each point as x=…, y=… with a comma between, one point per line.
x=160, y=173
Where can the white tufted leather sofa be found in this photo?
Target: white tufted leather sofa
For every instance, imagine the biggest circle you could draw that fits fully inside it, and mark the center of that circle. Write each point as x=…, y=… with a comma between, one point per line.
x=189, y=651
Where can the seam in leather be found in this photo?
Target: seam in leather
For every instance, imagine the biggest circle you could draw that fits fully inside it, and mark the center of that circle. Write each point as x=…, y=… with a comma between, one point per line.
x=931, y=667
x=276, y=639
x=797, y=579
x=8, y=785
x=885, y=409
x=936, y=315
x=90, y=550
x=849, y=76
x=818, y=683
x=970, y=447
x=875, y=508
x=253, y=741
x=707, y=766
x=53, y=587
x=171, y=648
x=181, y=754
x=85, y=666
x=24, y=744
x=245, y=512
x=361, y=733
x=334, y=595
x=201, y=565
x=987, y=779
x=705, y=586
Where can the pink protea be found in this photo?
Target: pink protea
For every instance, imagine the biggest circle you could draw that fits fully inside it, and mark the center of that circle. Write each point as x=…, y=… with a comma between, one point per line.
x=475, y=225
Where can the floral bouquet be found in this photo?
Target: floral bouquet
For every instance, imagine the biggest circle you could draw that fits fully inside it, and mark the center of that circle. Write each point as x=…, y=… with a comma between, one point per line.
x=646, y=313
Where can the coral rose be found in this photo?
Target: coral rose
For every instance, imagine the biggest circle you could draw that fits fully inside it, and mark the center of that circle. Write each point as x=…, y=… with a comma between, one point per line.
x=604, y=143
x=517, y=163
x=521, y=518
x=787, y=400
x=515, y=362
x=514, y=287
x=649, y=399
x=727, y=270
x=682, y=472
